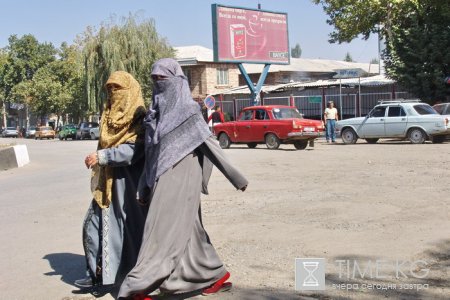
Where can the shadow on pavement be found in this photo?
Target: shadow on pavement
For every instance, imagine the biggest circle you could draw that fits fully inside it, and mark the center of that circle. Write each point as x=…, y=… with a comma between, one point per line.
x=67, y=265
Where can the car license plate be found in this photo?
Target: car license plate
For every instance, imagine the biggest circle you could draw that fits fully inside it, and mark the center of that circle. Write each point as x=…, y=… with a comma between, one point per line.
x=309, y=129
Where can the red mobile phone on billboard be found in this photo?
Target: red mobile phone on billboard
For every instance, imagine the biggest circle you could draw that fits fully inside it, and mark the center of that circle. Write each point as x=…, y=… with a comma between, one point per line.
x=238, y=40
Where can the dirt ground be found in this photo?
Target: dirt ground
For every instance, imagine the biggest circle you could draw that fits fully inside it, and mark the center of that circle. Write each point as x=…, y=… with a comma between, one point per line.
x=388, y=201
x=365, y=203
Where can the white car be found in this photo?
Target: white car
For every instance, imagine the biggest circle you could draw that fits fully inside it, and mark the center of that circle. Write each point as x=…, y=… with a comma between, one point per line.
x=10, y=132
x=404, y=119
x=94, y=133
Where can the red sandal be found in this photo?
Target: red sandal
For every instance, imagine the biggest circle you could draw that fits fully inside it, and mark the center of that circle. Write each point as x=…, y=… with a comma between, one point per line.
x=141, y=297
x=218, y=286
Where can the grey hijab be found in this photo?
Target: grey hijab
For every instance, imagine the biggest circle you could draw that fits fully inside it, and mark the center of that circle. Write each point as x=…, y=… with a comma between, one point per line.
x=174, y=125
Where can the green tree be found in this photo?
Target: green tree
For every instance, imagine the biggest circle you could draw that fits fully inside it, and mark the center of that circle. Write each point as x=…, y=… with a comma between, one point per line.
x=130, y=45
x=417, y=54
x=25, y=56
x=416, y=34
x=348, y=57
x=3, y=59
x=53, y=85
x=296, y=52
x=69, y=72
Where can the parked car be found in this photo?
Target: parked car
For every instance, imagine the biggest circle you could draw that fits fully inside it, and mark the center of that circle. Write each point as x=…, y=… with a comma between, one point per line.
x=84, y=130
x=95, y=133
x=68, y=131
x=44, y=132
x=10, y=132
x=31, y=131
x=270, y=124
x=444, y=110
x=404, y=119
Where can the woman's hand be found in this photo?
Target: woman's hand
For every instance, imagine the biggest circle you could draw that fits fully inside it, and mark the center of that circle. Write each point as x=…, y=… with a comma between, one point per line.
x=91, y=160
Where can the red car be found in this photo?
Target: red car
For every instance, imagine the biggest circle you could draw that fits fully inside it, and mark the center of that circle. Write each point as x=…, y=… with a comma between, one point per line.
x=269, y=124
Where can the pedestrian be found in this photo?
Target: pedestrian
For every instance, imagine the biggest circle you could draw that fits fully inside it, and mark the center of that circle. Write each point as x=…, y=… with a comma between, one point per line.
x=176, y=254
x=216, y=117
x=330, y=116
x=114, y=222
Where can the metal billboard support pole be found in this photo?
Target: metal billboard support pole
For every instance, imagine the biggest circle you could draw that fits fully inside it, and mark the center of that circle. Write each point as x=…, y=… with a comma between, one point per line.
x=255, y=90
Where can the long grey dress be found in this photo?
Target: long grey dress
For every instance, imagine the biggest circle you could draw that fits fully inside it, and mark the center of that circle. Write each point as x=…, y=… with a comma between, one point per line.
x=112, y=236
x=176, y=255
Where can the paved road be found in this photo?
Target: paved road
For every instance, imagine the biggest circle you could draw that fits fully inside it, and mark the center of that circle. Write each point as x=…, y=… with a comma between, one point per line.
x=358, y=202
x=42, y=209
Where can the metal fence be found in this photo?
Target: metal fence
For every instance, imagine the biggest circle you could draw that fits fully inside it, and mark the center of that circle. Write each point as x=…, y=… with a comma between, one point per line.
x=228, y=108
x=345, y=104
x=369, y=100
x=310, y=106
x=240, y=104
x=276, y=101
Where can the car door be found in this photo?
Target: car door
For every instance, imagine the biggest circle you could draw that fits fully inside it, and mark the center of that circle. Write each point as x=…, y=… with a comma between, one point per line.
x=259, y=125
x=244, y=125
x=373, y=125
x=395, y=122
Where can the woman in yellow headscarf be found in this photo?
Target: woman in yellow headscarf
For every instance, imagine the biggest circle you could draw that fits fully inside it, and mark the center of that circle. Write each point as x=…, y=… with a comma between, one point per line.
x=113, y=226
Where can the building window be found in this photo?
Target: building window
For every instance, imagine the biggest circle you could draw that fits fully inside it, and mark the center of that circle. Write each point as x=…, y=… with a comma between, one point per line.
x=222, y=76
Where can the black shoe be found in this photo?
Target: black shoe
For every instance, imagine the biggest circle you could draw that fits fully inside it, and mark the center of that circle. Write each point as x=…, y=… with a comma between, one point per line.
x=84, y=283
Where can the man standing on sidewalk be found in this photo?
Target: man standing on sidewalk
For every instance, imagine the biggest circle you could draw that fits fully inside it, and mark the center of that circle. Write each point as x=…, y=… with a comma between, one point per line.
x=330, y=116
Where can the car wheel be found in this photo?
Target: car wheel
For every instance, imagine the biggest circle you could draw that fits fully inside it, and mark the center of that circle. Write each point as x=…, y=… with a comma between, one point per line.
x=438, y=139
x=300, y=145
x=272, y=141
x=92, y=136
x=60, y=137
x=224, y=141
x=349, y=136
x=372, y=141
x=416, y=136
x=252, y=145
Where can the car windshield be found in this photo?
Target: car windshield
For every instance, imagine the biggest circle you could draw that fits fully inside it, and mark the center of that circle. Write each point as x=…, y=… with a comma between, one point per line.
x=71, y=127
x=10, y=128
x=46, y=128
x=286, y=113
x=32, y=128
x=424, y=109
x=91, y=125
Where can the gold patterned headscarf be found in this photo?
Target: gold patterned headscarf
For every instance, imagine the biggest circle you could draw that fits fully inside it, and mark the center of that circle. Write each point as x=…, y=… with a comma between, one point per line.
x=121, y=122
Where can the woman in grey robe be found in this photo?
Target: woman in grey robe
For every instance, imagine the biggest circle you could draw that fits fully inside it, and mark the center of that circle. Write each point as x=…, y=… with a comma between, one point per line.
x=176, y=254
x=114, y=223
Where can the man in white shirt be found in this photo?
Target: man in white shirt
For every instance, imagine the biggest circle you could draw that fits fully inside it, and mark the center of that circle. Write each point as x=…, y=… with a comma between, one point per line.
x=330, y=117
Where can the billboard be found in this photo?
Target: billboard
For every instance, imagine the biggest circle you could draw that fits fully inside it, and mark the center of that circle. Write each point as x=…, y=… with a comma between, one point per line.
x=249, y=35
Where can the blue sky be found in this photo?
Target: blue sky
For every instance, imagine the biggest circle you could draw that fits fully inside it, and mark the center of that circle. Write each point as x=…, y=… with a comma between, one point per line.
x=182, y=22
